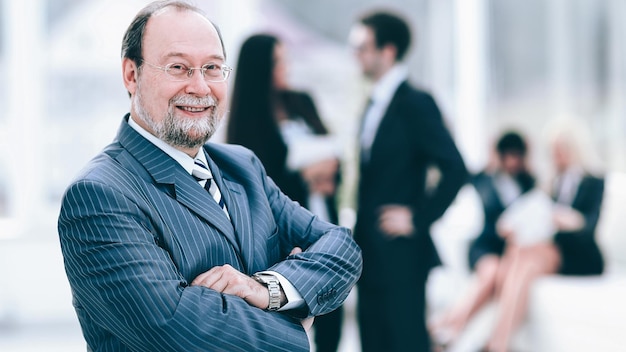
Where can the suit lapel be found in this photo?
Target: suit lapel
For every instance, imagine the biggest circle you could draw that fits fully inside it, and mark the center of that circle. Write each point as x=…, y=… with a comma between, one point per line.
x=198, y=200
x=390, y=112
x=167, y=173
x=366, y=176
x=580, y=193
x=237, y=203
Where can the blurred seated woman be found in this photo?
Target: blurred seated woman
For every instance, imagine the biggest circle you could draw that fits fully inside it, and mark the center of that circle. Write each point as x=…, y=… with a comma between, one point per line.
x=506, y=268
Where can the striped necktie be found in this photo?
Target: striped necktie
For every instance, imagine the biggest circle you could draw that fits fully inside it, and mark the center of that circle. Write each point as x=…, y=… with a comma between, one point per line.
x=367, y=131
x=202, y=173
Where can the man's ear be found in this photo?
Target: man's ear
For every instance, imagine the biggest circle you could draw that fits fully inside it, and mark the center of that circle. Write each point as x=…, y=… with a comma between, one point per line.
x=390, y=52
x=130, y=72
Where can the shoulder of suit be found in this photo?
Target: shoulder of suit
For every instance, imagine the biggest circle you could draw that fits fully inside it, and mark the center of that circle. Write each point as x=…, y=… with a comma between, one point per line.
x=593, y=179
x=103, y=161
x=229, y=152
x=105, y=169
x=409, y=99
x=233, y=159
x=291, y=93
x=415, y=92
x=226, y=148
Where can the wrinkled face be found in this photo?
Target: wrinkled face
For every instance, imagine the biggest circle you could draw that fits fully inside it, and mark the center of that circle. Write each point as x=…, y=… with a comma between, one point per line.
x=185, y=113
x=370, y=58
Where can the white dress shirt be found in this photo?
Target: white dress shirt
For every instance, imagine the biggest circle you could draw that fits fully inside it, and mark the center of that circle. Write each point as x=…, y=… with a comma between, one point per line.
x=294, y=298
x=567, y=184
x=305, y=148
x=507, y=188
x=381, y=96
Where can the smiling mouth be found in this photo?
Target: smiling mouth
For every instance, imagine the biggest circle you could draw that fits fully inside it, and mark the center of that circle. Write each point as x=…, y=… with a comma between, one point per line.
x=194, y=109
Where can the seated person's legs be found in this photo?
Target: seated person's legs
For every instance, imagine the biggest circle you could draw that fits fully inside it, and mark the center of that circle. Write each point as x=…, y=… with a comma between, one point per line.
x=453, y=321
x=526, y=265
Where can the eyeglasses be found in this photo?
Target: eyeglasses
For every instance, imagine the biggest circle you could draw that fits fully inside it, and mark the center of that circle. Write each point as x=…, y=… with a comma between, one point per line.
x=181, y=72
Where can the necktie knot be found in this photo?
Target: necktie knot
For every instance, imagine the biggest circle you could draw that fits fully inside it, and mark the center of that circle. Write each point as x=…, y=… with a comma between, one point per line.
x=200, y=171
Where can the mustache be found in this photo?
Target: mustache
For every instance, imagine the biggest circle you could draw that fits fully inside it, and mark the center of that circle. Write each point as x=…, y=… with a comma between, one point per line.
x=191, y=100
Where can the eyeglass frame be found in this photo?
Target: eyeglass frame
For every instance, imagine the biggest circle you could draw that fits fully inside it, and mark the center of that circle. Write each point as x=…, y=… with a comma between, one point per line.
x=226, y=70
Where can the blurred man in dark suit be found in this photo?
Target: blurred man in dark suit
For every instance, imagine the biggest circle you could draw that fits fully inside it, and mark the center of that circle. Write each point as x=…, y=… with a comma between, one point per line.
x=402, y=136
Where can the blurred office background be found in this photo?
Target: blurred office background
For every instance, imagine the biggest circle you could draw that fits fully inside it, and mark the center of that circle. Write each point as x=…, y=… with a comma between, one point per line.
x=491, y=65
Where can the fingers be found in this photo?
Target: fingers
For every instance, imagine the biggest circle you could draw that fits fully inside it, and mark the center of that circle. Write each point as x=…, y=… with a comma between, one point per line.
x=323, y=167
x=295, y=250
x=322, y=185
x=307, y=323
x=224, y=279
x=228, y=280
x=396, y=221
x=568, y=219
x=320, y=176
x=504, y=230
x=208, y=278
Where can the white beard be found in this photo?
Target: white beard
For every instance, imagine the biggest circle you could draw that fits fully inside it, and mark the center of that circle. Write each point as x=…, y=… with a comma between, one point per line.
x=177, y=132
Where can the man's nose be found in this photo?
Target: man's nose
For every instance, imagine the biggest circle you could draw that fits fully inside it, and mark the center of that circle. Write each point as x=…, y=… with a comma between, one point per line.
x=197, y=85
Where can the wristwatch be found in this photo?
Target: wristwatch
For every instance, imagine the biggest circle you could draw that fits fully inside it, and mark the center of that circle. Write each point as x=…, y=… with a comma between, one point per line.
x=273, y=287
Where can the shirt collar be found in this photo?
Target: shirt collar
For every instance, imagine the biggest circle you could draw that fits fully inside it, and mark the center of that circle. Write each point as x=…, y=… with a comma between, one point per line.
x=182, y=158
x=386, y=87
x=574, y=171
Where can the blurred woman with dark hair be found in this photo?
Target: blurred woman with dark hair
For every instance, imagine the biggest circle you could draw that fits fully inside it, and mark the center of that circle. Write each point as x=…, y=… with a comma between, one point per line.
x=283, y=128
x=499, y=185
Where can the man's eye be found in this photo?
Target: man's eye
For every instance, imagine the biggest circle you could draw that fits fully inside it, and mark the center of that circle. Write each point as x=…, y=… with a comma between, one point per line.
x=178, y=68
x=212, y=67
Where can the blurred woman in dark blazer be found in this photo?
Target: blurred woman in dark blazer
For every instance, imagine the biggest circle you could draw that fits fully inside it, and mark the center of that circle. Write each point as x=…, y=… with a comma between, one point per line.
x=283, y=128
x=577, y=188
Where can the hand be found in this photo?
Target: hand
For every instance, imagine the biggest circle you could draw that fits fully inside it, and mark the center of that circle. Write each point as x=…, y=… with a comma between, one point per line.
x=228, y=280
x=320, y=176
x=307, y=324
x=396, y=221
x=505, y=231
x=295, y=250
x=568, y=219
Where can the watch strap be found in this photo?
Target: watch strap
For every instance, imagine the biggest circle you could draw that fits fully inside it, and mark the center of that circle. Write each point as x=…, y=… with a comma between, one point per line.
x=273, y=287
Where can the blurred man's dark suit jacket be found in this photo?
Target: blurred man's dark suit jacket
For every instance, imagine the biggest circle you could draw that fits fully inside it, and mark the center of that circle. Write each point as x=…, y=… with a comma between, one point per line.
x=410, y=138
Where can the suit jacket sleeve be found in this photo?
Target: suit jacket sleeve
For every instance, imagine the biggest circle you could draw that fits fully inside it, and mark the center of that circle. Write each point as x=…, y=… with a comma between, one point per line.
x=434, y=142
x=588, y=202
x=128, y=286
x=331, y=262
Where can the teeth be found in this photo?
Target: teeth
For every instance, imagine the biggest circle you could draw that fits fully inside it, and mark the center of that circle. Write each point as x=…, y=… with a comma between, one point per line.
x=192, y=109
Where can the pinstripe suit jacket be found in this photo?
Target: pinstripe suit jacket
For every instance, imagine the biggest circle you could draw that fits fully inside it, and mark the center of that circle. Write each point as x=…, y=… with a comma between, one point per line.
x=136, y=229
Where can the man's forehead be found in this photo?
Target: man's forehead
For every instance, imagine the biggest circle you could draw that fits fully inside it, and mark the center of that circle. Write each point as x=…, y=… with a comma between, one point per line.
x=183, y=31
x=360, y=34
